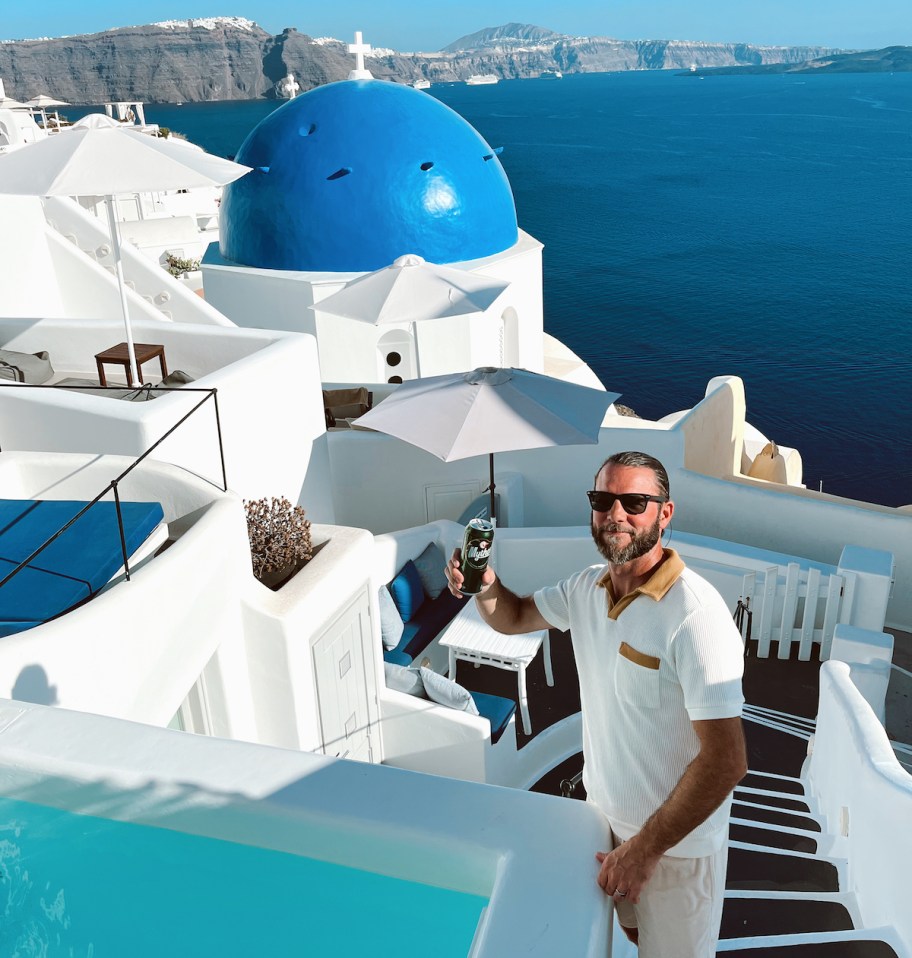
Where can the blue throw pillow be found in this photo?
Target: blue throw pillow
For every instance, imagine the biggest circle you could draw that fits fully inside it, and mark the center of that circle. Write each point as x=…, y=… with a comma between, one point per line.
x=407, y=591
x=430, y=565
x=391, y=624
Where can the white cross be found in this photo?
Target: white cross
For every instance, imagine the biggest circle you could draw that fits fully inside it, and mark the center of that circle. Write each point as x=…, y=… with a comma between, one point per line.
x=359, y=49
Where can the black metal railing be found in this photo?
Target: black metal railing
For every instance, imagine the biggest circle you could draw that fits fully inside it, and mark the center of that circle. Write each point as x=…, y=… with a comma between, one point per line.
x=112, y=486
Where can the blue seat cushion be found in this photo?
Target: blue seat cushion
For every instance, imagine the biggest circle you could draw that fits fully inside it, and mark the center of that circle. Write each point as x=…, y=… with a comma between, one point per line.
x=427, y=622
x=497, y=710
x=75, y=566
x=407, y=591
x=396, y=657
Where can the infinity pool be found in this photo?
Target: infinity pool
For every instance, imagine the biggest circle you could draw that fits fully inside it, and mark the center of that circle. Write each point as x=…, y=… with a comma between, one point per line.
x=85, y=887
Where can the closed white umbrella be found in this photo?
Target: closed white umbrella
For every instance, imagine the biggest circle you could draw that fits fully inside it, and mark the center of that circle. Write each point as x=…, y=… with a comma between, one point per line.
x=411, y=290
x=105, y=162
x=95, y=121
x=490, y=410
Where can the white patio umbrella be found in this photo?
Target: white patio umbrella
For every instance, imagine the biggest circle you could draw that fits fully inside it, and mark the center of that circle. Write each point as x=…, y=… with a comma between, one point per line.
x=43, y=103
x=490, y=410
x=96, y=121
x=412, y=290
x=105, y=162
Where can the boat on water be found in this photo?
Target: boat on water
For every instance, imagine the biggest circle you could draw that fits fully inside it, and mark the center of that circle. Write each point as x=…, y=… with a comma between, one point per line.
x=307, y=749
x=422, y=84
x=480, y=79
x=551, y=75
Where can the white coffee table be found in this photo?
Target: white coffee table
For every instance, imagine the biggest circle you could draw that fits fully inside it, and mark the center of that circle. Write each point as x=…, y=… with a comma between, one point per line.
x=470, y=638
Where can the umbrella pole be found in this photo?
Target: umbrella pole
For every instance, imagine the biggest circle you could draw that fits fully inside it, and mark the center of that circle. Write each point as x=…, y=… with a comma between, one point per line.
x=118, y=269
x=491, y=487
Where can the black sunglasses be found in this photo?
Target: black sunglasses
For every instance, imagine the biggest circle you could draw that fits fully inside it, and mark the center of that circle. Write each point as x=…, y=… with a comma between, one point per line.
x=633, y=503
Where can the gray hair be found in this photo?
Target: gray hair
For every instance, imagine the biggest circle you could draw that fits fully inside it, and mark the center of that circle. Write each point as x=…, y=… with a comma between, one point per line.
x=640, y=460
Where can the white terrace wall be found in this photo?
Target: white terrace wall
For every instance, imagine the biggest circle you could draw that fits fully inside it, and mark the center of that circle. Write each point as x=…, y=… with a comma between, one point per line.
x=714, y=429
x=867, y=797
x=270, y=406
x=136, y=650
x=797, y=522
x=554, y=480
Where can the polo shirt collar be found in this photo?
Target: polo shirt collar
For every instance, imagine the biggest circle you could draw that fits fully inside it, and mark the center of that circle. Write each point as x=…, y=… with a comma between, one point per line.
x=656, y=586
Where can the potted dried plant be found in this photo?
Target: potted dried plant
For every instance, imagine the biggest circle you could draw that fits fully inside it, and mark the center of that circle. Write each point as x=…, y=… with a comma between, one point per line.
x=280, y=542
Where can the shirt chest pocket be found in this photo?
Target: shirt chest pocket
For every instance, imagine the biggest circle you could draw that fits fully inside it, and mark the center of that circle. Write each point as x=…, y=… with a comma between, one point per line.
x=636, y=678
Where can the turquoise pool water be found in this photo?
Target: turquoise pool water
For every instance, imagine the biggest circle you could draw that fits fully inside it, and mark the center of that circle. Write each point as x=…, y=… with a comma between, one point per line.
x=85, y=887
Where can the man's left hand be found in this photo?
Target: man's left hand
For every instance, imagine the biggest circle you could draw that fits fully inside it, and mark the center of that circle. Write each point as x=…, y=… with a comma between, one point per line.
x=625, y=871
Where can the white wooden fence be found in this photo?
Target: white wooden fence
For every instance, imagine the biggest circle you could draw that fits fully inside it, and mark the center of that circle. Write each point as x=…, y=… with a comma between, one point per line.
x=795, y=606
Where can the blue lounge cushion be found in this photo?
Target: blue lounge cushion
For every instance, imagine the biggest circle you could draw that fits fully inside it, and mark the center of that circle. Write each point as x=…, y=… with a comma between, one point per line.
x=390, y=621
x=497, y=710
x=407, y=591
x=430, y=565
x=73, y=567
x=428, y=622
x=396, y=657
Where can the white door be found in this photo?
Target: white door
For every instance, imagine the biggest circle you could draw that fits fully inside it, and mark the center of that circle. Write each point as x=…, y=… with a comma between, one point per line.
x=344, y=683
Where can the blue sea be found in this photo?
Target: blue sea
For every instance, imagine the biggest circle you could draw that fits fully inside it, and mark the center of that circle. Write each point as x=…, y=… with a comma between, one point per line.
x=750, y=225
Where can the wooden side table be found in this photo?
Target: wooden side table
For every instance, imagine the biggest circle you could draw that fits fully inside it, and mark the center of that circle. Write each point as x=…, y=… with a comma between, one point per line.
x=119, y=355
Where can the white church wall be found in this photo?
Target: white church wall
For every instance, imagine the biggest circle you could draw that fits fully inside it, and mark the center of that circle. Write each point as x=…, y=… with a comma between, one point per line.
x=259, y=298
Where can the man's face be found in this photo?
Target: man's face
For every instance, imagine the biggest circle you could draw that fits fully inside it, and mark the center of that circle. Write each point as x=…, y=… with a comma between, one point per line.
x=619, y=536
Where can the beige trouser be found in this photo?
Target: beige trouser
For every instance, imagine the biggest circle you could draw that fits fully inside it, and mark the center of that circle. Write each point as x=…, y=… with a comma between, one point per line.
x=680, y=909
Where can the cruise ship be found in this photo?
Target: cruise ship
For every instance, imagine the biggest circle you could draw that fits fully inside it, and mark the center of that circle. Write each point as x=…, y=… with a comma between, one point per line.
x=169, y=709
x=480, y=79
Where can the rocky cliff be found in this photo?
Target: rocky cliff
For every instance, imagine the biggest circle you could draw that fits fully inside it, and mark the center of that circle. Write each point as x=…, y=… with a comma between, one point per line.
x=227, y=58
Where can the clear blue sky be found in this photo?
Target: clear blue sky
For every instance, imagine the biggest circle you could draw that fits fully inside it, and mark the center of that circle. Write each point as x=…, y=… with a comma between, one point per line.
x=415, y=26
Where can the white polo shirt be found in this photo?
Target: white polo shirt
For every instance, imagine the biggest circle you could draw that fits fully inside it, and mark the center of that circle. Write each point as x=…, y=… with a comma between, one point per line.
x=649, y=665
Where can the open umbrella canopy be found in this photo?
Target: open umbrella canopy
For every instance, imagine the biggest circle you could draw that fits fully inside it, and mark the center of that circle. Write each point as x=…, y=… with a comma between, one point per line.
x=105, y=162
x=43, y=102
x=490, y=410
x=96, y=121
x=411, y=290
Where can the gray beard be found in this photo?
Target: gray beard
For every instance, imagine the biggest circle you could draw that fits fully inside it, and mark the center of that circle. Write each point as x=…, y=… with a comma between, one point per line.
x=640, y=543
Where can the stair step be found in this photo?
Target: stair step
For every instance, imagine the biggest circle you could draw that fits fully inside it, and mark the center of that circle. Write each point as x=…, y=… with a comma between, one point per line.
x=748, y=869
x=772, y=839
x=748, y=917
x=773, y=817
x=775, y=801
x=855, y=948
x=773, y=783
x=769, y=750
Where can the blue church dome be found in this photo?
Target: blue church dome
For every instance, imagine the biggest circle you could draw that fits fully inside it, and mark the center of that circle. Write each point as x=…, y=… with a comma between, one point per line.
x=351, y=175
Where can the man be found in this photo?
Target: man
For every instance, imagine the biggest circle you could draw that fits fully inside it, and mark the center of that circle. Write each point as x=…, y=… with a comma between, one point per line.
x=660, y=664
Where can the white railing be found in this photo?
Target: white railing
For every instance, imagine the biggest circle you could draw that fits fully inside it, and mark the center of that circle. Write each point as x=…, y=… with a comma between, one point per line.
x=866, y=798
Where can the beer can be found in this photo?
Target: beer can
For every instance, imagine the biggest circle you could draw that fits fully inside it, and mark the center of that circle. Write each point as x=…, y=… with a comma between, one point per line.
x=476, y=550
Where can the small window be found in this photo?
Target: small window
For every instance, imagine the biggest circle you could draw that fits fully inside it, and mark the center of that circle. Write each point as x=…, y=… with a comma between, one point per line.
x=427, y=166
x=393, y=359
x=395, y=380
